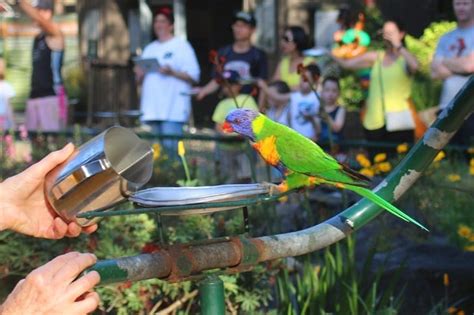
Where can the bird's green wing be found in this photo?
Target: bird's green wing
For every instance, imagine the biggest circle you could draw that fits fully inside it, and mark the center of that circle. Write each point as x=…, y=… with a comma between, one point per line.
x=300, y=154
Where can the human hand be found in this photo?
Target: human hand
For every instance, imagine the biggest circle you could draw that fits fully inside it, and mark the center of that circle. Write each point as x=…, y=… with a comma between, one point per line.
x=139, y=73
x=394, y=40
x=308, y=116
x=166, y=70
x=53, y=288
x=24, y=208
x=200, y=93
x=262, y=84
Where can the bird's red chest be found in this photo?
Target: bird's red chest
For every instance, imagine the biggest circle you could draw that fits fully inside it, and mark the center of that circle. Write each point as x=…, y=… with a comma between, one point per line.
x=267, y=149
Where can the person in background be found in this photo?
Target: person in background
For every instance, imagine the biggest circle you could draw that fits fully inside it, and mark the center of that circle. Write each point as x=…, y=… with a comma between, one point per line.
x=453, y=63
x=6, y=93
x=56, y=287
x=293, y=42
x=390, y=84
x=241, y=56
x=165, y=94
x=330, y=93
x=46, y=110
x=233, y=160
x=278, y=109
x=304, y=104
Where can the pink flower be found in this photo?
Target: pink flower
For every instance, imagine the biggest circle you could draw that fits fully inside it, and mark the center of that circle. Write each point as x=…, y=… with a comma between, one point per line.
x=10, y=146
x=23, y=132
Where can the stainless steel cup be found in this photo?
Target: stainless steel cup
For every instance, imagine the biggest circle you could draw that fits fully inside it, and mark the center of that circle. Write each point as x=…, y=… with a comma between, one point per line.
x=100, y=173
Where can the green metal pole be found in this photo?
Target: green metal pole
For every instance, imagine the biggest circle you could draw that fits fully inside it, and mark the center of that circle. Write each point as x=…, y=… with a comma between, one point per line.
x=211, y=295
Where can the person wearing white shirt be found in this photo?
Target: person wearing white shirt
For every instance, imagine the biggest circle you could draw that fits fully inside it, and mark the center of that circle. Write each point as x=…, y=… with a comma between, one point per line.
x=303, y=103
x=453, y=62
x=165, y=97
x=6, y=93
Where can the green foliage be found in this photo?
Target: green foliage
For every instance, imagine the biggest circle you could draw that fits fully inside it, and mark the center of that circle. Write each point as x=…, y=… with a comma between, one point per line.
x=123, y=236
x=444, y=195
x=20, y=254
x=373, y=24
x=337, y=286
x=352, y=95
x=74, y=82
x=249, y=292
x=188, y=228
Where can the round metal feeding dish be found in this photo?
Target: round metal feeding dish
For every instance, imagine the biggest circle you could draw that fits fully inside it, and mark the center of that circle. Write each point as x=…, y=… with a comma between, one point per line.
x=188, y=196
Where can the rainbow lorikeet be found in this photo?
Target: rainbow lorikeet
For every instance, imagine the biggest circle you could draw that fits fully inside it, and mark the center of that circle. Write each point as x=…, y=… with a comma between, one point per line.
x=300, y=160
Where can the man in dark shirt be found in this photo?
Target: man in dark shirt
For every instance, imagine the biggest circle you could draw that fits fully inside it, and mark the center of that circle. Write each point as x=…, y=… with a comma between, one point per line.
x=241, y=56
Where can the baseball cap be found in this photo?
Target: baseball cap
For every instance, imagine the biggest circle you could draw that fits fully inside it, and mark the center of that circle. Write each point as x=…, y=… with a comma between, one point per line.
x=44, y=4
x=167, y=12
x=246, y=17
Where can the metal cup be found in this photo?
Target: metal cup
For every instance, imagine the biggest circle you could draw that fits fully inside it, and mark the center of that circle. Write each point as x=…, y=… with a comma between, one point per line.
x=101, y=173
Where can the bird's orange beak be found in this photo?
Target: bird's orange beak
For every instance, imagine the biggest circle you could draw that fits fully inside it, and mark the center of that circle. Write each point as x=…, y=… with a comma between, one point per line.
x=227, y=127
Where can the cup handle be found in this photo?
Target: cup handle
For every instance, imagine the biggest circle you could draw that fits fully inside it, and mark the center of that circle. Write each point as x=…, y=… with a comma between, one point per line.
x=78, y=176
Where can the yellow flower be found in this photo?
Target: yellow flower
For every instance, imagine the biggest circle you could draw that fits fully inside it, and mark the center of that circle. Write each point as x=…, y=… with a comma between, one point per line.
x=452, y=310
x=471, y=170
x=380, y=157
x=385, y=167
x=367, y=172
x=441, y=155
x=402, y=148
x=470, y=150
x=471, y=238
x=469, y=248
x=454, y=178
x=181, y=150
x=464, y=231
x=317, y=269
x=156, y=151
x=363, y=160
x=471, y=162
x=446, y=280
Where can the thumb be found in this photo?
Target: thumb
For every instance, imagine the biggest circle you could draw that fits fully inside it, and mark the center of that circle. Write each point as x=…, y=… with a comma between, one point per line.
x=52, y=160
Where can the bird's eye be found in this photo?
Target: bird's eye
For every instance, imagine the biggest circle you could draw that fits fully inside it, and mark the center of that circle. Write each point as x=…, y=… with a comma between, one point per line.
x=237, y=121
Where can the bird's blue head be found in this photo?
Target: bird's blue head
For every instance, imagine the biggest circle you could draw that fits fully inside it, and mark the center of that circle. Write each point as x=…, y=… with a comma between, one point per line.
x=240, y=121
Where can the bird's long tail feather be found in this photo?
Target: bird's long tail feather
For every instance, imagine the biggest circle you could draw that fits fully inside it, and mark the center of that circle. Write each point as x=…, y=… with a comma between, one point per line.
x=384, y=204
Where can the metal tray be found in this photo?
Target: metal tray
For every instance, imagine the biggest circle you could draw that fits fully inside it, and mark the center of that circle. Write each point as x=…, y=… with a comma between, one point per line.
x=183, y=196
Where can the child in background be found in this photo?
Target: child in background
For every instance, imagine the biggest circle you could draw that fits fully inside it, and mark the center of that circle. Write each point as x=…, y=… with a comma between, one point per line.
x=278, y=110
x=304, y=104
x=6, y=93
x=233, y=160
x=336, y=113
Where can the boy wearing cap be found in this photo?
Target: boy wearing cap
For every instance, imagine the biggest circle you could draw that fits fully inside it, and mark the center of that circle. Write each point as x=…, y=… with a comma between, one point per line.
x=241, y=56
x=234, y=163
x=46, y=110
